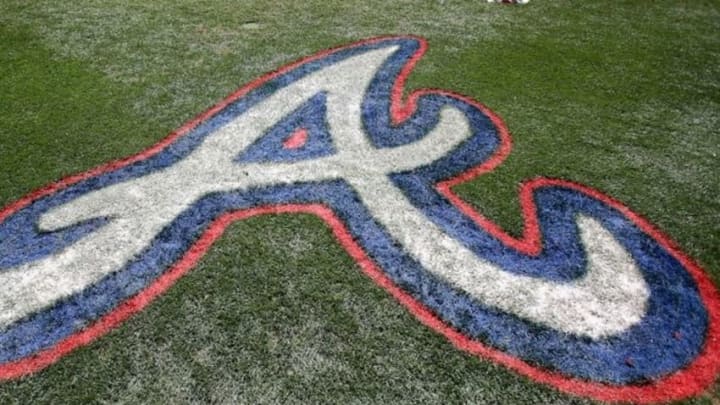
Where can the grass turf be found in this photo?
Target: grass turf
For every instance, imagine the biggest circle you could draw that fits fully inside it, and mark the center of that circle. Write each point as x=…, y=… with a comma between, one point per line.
x=622, y=96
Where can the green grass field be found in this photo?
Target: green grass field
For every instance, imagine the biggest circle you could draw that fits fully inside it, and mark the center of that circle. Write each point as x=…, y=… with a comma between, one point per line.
x=621, y=95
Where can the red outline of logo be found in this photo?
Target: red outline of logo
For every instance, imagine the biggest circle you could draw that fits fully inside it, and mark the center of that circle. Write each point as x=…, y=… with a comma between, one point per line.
x=690, y=381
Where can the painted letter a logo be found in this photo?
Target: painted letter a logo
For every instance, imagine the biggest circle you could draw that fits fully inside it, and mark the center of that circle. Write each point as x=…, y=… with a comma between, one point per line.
x=590, y=289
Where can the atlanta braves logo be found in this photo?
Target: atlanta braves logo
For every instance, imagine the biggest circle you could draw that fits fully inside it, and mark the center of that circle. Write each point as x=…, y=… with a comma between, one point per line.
x=592, y=299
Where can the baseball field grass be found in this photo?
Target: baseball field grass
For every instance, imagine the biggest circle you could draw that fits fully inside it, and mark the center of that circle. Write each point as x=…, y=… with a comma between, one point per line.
x=623, y=96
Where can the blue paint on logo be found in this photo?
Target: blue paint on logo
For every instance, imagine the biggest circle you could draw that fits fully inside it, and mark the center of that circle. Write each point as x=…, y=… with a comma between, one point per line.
x=674, y=303
x=310, y=117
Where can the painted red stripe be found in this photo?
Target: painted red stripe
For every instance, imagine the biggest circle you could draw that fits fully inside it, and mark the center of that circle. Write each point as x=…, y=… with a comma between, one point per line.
x=690, y=381
x=297, y=140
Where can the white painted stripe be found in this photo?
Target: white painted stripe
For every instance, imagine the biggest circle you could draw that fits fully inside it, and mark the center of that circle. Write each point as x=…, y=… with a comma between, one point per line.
x=608, y=299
